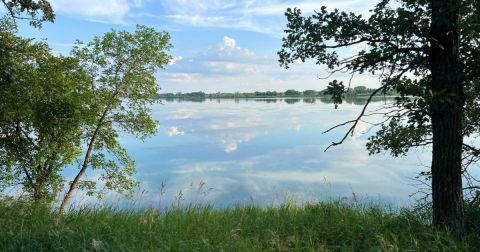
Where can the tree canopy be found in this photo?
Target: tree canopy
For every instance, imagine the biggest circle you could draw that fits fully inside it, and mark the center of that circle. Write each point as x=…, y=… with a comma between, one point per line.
x=121, y=68
x=36, y=11
x=55, y=109
x=41, y=111
x=429, y=52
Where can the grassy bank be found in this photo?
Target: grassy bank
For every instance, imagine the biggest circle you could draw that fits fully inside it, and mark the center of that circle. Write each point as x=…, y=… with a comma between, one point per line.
x=315, y=227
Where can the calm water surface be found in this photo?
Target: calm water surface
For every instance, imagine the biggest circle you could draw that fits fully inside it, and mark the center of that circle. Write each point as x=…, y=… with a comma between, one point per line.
x=264, y=152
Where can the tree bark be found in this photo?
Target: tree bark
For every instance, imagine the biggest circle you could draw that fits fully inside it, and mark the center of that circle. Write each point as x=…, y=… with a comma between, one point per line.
x=85, y=163
x=82, y=171
x=446, y=113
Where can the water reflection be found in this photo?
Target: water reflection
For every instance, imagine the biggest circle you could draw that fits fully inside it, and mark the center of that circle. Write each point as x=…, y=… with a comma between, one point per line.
x=263, y=151
x=357, y=100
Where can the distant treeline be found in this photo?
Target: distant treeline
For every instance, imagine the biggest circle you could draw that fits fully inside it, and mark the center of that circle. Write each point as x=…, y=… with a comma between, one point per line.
x=357, y=100
x=352, y=92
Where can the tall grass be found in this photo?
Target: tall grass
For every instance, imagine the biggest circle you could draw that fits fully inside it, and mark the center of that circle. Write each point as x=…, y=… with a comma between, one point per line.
x=331, y=226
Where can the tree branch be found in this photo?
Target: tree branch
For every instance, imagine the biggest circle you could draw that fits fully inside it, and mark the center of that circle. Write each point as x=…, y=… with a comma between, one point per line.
x=355, y=122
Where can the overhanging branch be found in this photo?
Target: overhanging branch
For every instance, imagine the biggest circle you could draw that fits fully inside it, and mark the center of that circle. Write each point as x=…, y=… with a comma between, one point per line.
x=362, y=113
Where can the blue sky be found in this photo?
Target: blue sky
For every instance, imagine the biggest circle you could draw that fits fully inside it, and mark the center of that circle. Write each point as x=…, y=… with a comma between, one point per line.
x=219, y=45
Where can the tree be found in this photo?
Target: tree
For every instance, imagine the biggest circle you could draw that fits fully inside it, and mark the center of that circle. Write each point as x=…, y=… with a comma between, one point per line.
x=121, y=68
x=36, y=12
x=292, y=92
x=24, y=152
x=7, y=47
x=360, y=90
x=429, y=52
x=309, y=93
x=337, y=91
x=15, y=10
x=41, y=111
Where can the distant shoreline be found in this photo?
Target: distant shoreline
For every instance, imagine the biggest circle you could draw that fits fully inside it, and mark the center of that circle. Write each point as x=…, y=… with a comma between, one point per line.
x=357, y=100
x=357, y=92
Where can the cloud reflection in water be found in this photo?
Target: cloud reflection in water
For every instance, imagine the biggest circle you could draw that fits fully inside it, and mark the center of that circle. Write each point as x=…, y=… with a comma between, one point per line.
x=263, y=152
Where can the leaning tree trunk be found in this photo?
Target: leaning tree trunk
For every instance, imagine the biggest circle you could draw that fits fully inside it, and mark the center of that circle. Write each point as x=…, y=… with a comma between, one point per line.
x=446, y=114
x=77, y=178
x=86, y=160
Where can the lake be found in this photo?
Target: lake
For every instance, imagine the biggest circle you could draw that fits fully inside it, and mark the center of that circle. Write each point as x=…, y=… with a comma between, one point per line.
x=265, y=152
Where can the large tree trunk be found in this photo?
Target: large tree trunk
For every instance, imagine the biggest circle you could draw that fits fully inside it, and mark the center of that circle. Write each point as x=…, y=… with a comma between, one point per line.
x=446, y=114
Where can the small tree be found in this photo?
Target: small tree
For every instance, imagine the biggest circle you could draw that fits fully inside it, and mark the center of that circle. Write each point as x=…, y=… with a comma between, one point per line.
x=121, y=67
x=429, y=52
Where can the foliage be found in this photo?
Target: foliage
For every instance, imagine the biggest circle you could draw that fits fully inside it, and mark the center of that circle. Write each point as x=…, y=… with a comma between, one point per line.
x=41, y=111
x=7, y=47
x=335, y=226
x=428, y=51
x=309, y=93
x=37, y=11
x=397, y=42
x=121, y=67
x=53, y=109
x=337, y=91
x=292, y=92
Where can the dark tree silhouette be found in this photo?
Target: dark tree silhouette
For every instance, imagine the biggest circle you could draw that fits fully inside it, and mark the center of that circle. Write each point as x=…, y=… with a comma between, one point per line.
x=429, y=52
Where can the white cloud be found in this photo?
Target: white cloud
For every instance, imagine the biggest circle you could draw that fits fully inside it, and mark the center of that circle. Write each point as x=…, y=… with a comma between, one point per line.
x=139, y=3
x=228, y=49
x=108, y=11
x=224, y=58
x=228, y=66
x=231, y=124
x=229, y=42
x=180, y=77
x=183, y=114
x=278, y=8
x=228, y=22
x=231, y=147
x=174, y=131
x=231, y=141
x=231, y=67
x=198, y=6
x=265, y=16
x=175, y=59
x=360, y=129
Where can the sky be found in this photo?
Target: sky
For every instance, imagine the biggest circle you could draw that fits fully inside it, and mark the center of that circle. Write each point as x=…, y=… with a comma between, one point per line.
x=219, y=45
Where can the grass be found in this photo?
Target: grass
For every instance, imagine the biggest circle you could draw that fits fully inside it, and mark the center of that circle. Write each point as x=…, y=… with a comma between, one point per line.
x=331, y=226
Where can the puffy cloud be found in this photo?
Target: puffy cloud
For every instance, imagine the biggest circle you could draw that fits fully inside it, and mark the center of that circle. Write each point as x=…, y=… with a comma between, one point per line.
x=174, y=131
x=229, y=42
x=225, y=58
x=175, y=59
x=231, y=141
x=229, y=66
x=229, y=50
